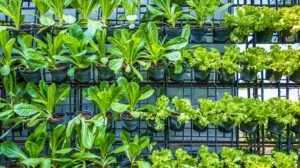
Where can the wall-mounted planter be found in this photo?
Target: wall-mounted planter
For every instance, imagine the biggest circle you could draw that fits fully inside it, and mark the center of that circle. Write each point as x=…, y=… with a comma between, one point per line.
x=248, y=128
x=87, y=114
x=286, y=36
x=151, y=126
x=221, y=35
x=248, y=75
x=174, y=124
x=198, y=34
x=225, y=77
x=197, y=127
x=59, y=75
x=201, y=76
x=295, y=77
x=105, y=73
x=31, y=76
x=172, y=32
x=226, y=127
x=157, y=73
x=129, y=123
x=177, y=77
x=275, y=127
x=83, y=75
x=264, y=37
x=273, y=76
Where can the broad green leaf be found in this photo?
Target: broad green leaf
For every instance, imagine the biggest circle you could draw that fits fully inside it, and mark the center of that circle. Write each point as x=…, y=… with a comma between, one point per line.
x=26, y=110
x=173, y=56
x=5, y=70
x=11, y=150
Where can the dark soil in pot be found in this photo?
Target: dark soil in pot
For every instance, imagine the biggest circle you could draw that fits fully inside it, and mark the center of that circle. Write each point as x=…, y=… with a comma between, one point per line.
x=57, y=118
x=177, y=77
x=264, y=37
x=248, y=75
x=221, y=35
x=226, y=127
x=105, y=73
x=248, y=128
x=198, y=35
x=59, y=75
x=87, y=114
x=31, y=76
x=157, y=72
x=83, y=75
x=273, y=76
x=201, y=76
x=197, y=127
x=172, y=32
x=296, y=128
x=287, y=37
x=174, y=124
x=109, y=117
x=295, y=77
x=225, y=77
x=129, y=123
x=275, y=127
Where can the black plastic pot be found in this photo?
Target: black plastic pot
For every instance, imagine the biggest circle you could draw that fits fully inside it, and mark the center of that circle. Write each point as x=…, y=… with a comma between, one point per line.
x=295, y=77
x=248, y=128
x=59, y=75
x=151, y=126
x=264, y=37
x=161, y=33
x=105, y=73
x=87, y=114
x=248, y=75
x=82, y=75
x=129, y=123
x=197, y=127
x=225, y=77
x=156, y=73
x=286, y=36
x=174, y=124
x=58, y=118
x=177, y=77
x=226, y=127
x=198, y=35
x=221, y=35
x=19, y=76
x=201, y=76
x=31, y=76
x=275, y=127
x=296, y=128
x=273, y=76
x=172, y=32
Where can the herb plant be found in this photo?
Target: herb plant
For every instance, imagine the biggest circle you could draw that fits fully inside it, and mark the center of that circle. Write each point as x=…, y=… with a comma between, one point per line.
x=6, y=60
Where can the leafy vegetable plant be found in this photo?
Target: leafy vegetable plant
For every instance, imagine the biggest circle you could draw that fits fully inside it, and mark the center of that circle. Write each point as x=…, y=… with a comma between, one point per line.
x=13, y=9
x=131, y=8
x=231, y=59
x=283, y=160
x=43, y=8
x=85, y=7
x=162, y=159
x=232, y=157
x=254, y=58
x=208, y=159
x=107, y=8
x=100, y=47
x=184, y=109
x=253, y=161
x=205, y=60
x=6, y=60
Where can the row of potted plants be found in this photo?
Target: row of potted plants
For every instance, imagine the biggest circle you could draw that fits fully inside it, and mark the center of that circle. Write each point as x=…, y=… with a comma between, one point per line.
x=72, y=53
x=248, y=19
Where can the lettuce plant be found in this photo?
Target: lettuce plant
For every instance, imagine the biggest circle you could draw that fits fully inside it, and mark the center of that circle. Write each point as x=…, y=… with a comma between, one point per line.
x=208, y=111
x=162, y=159
x=231, y=59
x=290, y=19
x=232, y=157
x=205, y=60
x=184, y=109
x=85, y=7
x=209, y=159
x=183, y=159
x=100, y=47
x=13, y=9
x=172, y=12
x=107, y=8
x=255, y=161
x=131, y=8
x=43, y=8
x=252, y=110
x=254, y=58
x=283, y=160
x=6, y=60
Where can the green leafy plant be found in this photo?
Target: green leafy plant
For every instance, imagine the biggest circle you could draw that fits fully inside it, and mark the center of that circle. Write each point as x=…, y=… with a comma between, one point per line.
x=100, y=47
x=51, y=48
x=135, y=148
x=183, y=159
x=106, y=97
x=184, y=109
x=13, y=9
x=205, y=60
x=172, y=12
x=206, y=8
x=107, y=8
x=131, y=8
x=133, y=94
x=44, y=99
x=280, y=110
x=208, y=112
x=158, y=113
x=289, y=19
x=209, y=159
x=282, y=61
x=6, y=60
x=232, y=157
x=231, y=59
x=76, y=42
x=31, y=58
x=58, y=7
x=254, y=59
x=85, y=7
x=162, y=159
x=283, y=160
x=255, y=161
x=160, y=51
x=43, y=8
x=127, y=51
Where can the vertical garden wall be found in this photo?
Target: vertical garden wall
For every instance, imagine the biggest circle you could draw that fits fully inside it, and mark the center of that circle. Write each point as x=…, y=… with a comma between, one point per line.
x=149, y=83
